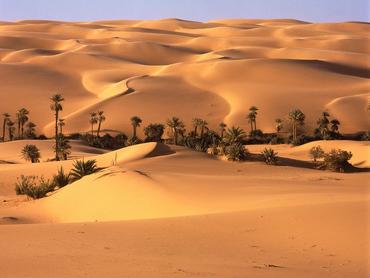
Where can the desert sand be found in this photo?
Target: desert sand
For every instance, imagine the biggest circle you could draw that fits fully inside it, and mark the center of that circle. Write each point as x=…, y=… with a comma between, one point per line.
x=213, y=70
x=160, y=210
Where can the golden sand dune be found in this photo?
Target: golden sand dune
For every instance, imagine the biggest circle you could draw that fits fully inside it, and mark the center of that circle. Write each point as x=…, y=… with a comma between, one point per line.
x=207, y=217
x=172, y=181
x=166, y=211
x=273, y=64
x=360, y=150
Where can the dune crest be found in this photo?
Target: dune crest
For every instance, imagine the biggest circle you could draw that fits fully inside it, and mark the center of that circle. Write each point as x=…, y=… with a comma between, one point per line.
x=273, y=64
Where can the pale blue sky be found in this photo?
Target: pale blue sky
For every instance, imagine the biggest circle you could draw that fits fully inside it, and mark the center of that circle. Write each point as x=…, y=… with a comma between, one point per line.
x=202, y=10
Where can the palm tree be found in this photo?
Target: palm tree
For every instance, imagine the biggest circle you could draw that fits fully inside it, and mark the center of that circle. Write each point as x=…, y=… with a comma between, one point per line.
x=222, y=127
x=154, y=132
x=234, y=135
x=56, y=106
x=22, y=119
x=18, y=121
x=334, y=126
x=323, y=123
x=31, y=153
x=203, y=125
x=11, y=129
x=30, y=131
x=196, y=123
x=93, y=121
x=297, y=117
x=278, y=125
x=5, y=121
x=64, y=147
x=101, y=118
x=252, y=116
x=135, y=122
x=61, y=124
x=176, y=125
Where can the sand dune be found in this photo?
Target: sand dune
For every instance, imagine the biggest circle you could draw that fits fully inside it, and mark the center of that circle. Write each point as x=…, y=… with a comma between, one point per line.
x=171, y=182
x=179, y=199
x=359, y=150
x=166, y=211
x=227, y=58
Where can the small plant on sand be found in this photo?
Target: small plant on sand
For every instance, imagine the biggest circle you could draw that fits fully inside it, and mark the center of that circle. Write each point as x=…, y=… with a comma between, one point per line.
x=236, y=152
x=61, y=179
x=270, y=156
x=316, y=153
x=31, y=153
x=336, y=160
x=234, y=135
x=83, y=168
x=33, y=186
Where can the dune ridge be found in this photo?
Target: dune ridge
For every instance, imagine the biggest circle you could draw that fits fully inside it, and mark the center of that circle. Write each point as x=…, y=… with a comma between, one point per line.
x=91, y=62
x=156, y=210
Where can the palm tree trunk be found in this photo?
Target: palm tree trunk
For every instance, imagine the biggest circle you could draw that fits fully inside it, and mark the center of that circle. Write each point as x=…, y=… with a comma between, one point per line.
x=56, y=135
x=99, y=126
x=22, y=129
x=10, y=134
x=251, y=125
x=92, y=130
x=196, y=130
x=222, y=133
x=18, y=128
x=4, y=123
x=175, y=135
x=255, y=125
x=133, y=131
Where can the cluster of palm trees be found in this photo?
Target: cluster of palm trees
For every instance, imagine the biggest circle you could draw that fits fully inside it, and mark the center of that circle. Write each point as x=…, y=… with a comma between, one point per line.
x=252, y=118
x=327, y=128
x=96, y=118
x=154, y=132
x=21, y=122
x=297, y=118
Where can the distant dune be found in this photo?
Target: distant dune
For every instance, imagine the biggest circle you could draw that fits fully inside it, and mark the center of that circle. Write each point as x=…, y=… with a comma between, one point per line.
x=214, y=70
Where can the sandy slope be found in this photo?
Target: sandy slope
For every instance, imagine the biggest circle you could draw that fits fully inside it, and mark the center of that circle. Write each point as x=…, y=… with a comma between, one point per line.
x=217, y=69
x=360, y=150
x=160, y=211
x=187, y=214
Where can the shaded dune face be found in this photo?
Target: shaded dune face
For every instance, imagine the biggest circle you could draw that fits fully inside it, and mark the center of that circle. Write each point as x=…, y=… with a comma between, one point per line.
x=214, y=70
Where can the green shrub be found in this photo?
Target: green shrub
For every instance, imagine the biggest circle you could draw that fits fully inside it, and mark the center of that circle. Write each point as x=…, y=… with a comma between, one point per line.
x=316, y=153
x=336, y=160
x=365, y=136
x=33, y=186
x=83, y=168
x=154, y=132
x=106, y=141
x=213, y=149
x=236, y=152
x=270, y=156
x=61, y=179
x=31, y=153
